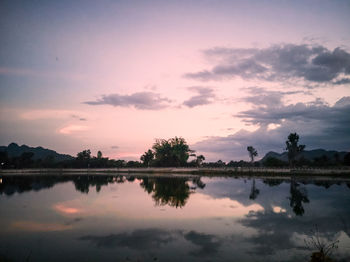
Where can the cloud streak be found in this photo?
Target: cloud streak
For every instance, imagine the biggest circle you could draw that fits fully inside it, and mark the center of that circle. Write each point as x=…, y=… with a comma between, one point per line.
x=139, y=100
x=314, y=64
x=205, y=96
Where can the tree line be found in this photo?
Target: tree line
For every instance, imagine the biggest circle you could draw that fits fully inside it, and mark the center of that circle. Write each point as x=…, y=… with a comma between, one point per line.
x=173, y=152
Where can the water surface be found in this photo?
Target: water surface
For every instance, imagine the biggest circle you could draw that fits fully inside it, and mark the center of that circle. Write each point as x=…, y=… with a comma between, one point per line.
x=183, y=218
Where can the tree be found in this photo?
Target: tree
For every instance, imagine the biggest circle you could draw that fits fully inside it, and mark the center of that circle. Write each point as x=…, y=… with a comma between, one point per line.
x=147, y=158
x=293, y=148
x=199, y=160
x=274, y=162
x=252, y=153
x=84, y=155
x=99, y=155
x=347, y=159
x=171, y=152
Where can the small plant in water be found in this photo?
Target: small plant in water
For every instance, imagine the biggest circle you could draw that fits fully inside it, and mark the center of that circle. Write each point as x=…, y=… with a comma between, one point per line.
x=323, y=249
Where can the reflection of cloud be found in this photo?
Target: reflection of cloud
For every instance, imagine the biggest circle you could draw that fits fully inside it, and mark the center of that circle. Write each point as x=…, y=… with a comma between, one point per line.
x=276, y=231
x=209, y=244
x=278, y=209
x=140, y=100
x=67, y=130
x=39, y=227
x=66, y=210
x=138, y=239
x=73, y=221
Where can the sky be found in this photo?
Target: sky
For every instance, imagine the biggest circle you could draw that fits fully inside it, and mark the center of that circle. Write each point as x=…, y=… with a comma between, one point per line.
x=116, y=75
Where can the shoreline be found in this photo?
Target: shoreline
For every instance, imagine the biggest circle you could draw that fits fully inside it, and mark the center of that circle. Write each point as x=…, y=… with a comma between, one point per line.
x=284, y=172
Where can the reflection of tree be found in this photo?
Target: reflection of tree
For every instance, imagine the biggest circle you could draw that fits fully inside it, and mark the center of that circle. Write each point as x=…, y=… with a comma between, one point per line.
x=21, y=184
x=254, y=192
x=298, y=196
x=172, y=191
x=198, y=182
x=272, y=182
x=83, y=183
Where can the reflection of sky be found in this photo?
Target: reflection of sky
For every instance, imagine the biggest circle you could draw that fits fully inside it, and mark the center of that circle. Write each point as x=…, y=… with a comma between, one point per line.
x=217, y=222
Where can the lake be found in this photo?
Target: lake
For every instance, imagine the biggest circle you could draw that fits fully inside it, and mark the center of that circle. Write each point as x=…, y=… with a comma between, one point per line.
x=172, y=218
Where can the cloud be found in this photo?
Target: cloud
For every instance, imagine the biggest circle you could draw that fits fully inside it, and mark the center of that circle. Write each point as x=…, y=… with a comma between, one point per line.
x=140, y=100
x=318, y=124
x=67, y=130
x=261, y=97
x=336, y=116
x=315, y=64
x=342, y=81
x=114, y=147
x=79, y=118
x=139, y=239
x=205, y=96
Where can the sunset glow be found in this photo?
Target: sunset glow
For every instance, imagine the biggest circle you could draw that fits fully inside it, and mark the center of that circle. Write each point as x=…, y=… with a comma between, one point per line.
x=97, y=75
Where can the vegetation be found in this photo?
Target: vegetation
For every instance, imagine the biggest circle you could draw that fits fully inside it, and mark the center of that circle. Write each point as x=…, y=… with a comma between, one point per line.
x=252, y=153
x=174, y=152
x=293, y=148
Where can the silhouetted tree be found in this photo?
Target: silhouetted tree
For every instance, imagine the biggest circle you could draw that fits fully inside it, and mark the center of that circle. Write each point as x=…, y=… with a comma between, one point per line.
x=171, y=152
x=252, y=153
x=199, y=160
x=99, y=154
x=347, y=159
x=274, y=162
x=293, y=148
x=4, y=160
x=147, y=158
x=134, y=164
x=84, y=155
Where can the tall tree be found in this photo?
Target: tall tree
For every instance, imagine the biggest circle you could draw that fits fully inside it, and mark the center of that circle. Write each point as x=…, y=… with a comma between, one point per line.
x=252, y=153
x=293, y=148
x=147, y=158
x=99, y=155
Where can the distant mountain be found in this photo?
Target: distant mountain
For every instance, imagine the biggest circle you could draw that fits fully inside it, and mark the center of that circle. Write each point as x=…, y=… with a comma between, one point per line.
x=309, y=155
x=14, y=150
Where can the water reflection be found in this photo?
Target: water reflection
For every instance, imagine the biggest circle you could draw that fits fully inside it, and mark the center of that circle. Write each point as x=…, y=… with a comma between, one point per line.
x=148, y=218
x=139, y=239
x=298, y=196
x=254, y=192
x=167, y=191
x=172, y=191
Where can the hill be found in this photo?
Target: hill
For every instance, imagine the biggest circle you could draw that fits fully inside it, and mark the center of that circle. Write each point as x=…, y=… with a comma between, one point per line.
x=14, y=150
x=307, y=154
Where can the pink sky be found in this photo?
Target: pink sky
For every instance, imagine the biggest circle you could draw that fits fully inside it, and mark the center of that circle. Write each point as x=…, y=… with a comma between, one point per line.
x=113, y=76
